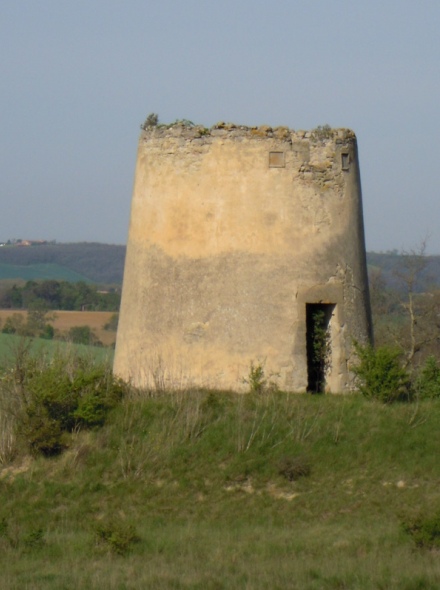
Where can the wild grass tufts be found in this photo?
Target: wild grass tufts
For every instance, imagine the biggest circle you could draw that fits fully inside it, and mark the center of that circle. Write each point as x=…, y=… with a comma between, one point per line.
x=213, y=489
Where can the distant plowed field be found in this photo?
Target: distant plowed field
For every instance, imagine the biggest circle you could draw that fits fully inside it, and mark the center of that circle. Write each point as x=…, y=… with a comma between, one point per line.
x=64, y=320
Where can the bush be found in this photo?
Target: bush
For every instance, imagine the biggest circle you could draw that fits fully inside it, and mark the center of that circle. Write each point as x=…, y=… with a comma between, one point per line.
x=14, y=324
x=152, y=120
x=51, y=397
x=428, y=381
x=14, y=537
x=43, y=435
x=116, y=536
x=425, y=532
x=322, y=132
x=34, y=326
x=380, y=375
x=48, y=332
x=257, y=380
x=83, y=335
x=97, y=392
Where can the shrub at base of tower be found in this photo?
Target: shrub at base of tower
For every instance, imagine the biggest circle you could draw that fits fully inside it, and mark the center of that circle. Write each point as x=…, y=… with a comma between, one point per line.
x=48, y=398
x=258, y=381
x=380, y=375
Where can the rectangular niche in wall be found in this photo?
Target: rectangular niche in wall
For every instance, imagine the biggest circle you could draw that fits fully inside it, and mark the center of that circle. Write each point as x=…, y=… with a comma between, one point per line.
x=345, y=161
x=276, y=160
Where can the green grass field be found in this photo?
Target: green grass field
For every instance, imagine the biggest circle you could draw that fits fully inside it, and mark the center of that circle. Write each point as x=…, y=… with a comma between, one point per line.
x=40, y=271
x=9, y=344
x=217, y=490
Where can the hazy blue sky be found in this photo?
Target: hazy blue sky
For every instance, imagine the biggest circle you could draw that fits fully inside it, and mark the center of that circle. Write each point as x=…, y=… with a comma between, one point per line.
x=78, y=78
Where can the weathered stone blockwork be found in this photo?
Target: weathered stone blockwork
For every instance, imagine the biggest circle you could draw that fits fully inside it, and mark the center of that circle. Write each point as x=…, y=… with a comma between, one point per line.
x=233, y=231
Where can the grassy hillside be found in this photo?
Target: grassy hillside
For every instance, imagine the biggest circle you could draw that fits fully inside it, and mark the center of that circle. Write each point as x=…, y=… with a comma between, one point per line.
x=217, y=490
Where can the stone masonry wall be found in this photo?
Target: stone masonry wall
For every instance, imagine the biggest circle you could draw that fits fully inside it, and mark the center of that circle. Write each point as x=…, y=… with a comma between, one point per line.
x=233, y=231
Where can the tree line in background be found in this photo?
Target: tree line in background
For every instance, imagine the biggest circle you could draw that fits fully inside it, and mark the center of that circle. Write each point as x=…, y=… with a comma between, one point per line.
x=59, y=295
x=41, y=300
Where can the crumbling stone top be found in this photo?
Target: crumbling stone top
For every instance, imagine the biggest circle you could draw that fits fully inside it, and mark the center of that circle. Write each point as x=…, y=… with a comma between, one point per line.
x=188, y=130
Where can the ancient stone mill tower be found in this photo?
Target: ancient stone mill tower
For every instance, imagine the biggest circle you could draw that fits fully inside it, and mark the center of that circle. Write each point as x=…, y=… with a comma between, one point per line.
x=246, y=245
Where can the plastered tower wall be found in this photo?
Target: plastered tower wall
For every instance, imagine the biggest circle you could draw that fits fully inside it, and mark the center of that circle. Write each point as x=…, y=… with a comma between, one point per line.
x=233, y=231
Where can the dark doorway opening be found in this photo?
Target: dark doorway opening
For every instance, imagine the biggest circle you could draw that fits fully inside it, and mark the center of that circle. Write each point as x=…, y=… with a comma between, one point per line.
x=318, y=316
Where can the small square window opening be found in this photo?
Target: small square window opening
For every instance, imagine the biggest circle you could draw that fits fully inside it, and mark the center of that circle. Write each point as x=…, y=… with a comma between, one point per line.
x=276, y=160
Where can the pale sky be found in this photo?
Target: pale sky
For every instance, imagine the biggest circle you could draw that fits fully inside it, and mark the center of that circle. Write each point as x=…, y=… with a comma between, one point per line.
x=79, y=77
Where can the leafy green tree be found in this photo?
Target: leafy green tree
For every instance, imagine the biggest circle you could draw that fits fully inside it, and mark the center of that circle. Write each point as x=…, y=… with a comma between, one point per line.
x=50, y=292
x=15, y=298
x=68, y=295
x=60, y=295
x=48, y=332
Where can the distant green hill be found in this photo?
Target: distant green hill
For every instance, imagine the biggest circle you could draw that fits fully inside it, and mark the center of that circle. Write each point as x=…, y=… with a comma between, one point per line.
x=40, y=271
x=104, y=264
x=84, y=261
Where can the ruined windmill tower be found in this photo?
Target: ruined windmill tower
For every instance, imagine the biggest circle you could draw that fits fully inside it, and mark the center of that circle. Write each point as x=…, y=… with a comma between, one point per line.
x=245, y=245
